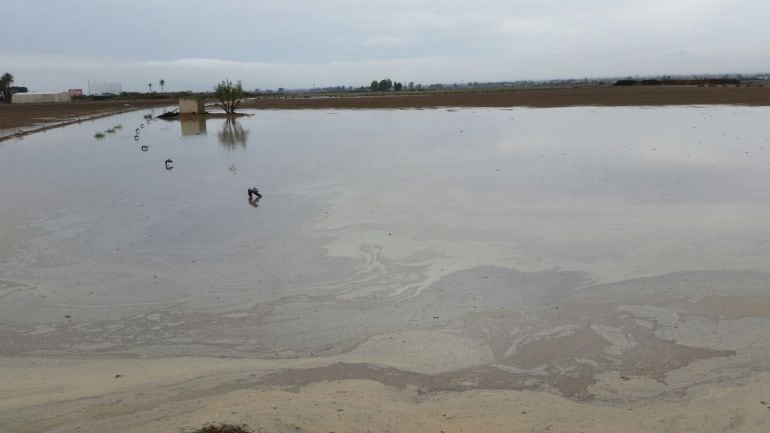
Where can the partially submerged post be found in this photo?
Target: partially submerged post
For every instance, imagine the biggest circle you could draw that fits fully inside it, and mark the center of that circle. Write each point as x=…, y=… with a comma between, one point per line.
x=254, y=194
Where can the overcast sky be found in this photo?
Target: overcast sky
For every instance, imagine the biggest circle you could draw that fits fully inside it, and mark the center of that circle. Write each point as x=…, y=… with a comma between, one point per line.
x=52, y=44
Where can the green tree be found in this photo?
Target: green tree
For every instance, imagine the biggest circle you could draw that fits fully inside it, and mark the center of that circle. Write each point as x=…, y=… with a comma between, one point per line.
x=229, y=95
x=397, y=86
x=385, y=84
x=150, y=86
x=5, y=86
x=162, y=83
x=375, y=86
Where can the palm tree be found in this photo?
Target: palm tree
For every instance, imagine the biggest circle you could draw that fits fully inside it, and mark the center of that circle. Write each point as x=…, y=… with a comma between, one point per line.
x=5, y=86
x=162, y=83
x=150, y=85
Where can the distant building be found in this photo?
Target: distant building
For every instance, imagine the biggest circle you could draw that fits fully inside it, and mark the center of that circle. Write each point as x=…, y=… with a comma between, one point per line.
x=41, y=97
x=75, y=92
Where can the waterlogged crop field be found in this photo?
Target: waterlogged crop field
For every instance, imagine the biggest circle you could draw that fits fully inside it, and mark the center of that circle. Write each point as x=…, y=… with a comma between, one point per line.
x=566, y=269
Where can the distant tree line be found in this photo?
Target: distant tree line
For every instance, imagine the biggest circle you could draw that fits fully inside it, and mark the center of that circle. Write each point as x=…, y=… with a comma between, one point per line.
x=386, y=84
x=677, y=82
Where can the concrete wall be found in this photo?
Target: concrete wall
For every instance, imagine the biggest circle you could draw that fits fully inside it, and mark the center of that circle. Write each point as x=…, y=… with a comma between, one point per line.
x=190, y=106
x=35, y=98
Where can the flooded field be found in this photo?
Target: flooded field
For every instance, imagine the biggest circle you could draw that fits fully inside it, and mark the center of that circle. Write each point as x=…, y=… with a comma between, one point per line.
x=609, y=265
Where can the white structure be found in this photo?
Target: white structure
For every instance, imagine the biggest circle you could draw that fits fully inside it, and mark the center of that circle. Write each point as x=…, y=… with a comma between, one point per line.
x=191, y=106
x=40, y=97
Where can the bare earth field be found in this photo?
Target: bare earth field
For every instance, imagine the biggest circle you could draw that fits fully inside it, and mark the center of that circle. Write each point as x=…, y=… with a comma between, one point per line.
x=550, y=97
x=35, y=117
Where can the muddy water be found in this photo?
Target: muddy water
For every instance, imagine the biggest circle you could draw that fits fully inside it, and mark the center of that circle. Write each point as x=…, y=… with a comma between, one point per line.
x=595, y=253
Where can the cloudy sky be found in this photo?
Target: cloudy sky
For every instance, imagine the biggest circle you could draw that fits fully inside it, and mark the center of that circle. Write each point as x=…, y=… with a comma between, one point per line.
x=192, y=44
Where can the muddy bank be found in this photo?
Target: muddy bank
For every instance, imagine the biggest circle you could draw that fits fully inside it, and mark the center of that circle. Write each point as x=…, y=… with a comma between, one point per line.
x=17, y=120
x=154, y=396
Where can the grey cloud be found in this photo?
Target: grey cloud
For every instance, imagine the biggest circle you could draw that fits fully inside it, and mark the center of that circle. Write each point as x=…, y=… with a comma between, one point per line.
x=300, y=43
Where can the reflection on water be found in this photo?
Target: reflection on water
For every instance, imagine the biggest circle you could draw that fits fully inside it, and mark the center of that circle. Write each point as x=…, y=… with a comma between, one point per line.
x=193, y=126
x=616, y=193
x=232, y=135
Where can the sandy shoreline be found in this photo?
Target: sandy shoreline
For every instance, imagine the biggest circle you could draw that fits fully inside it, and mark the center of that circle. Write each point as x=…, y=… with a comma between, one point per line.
x=167, y=395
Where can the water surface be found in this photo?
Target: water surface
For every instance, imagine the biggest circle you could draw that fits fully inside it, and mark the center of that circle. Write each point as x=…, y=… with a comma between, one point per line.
x=576, y=242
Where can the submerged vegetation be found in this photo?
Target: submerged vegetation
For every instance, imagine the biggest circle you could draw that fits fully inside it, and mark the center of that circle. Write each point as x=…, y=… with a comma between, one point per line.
x=99, y=135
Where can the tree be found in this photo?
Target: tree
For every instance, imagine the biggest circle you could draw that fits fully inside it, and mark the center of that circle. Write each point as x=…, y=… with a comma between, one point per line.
x=229, y=95
x=150, y=85
x=162, y=83
x=5, y=86
x=385, y=84
x=397, y=86
x=410, y=86
x=375, y=86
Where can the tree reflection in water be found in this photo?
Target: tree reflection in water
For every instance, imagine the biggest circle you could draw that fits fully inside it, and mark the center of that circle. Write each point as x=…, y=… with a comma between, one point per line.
x=232, y=135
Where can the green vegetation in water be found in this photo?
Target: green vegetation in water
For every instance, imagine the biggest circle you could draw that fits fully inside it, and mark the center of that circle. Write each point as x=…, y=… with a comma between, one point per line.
x=110, y=131
x=117, y=127
x=99, y=135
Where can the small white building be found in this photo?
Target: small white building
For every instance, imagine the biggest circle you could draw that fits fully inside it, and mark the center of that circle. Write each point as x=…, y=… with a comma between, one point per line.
x=40, y=97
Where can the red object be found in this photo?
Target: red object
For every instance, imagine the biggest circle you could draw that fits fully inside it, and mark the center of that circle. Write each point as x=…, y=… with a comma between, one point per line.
x=76, y=92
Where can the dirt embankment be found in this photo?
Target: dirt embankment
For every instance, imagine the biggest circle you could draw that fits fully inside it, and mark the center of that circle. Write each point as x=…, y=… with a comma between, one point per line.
x=34, y=117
